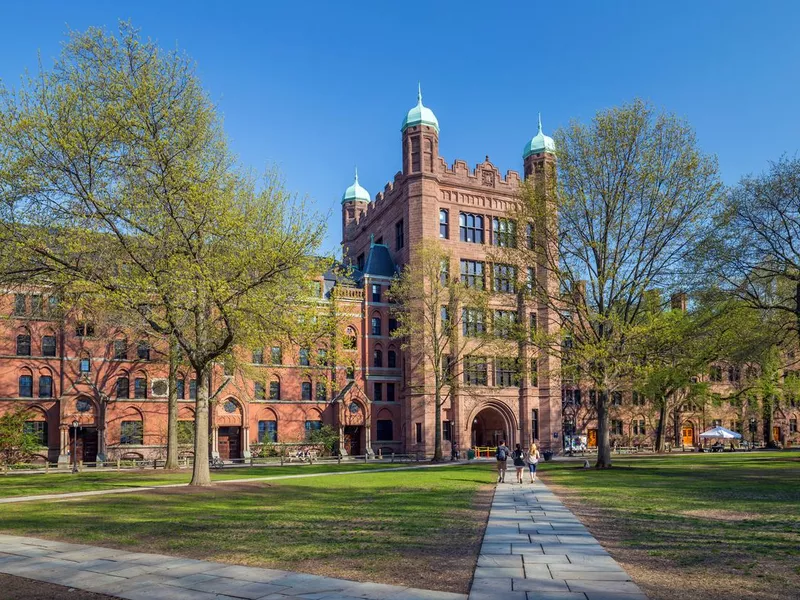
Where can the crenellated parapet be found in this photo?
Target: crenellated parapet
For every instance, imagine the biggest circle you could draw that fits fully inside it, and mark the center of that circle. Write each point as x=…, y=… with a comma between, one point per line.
x=484, y=175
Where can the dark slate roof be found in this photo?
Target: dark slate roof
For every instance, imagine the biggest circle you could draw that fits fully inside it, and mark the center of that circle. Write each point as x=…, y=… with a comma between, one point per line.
x=379, y=262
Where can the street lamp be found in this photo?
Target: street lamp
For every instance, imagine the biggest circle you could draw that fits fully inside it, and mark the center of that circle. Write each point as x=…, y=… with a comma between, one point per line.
x=753, y=428
x=75, y=426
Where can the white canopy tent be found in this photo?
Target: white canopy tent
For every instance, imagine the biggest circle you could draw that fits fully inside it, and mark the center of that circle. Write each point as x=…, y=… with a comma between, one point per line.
x=721, y=433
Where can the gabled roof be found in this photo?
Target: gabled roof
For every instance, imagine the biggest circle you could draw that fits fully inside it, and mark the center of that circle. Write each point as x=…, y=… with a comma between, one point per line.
x=379, y=262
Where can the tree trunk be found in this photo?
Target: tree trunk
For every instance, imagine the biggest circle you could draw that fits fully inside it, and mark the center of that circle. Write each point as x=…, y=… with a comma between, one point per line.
x=603, y=439
x=172, y=406
x=769, y=441
x=201, y=474
x=661, y=430
x=437, y=420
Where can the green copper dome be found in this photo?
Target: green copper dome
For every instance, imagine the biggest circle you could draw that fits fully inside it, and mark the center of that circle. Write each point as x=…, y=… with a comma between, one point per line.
x=540, y=143
x=356, y=193
x=420, y=115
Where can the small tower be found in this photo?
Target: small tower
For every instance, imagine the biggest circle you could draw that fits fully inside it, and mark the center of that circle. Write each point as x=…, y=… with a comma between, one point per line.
x=354, y=203
x=420, y=139
x=538, y=156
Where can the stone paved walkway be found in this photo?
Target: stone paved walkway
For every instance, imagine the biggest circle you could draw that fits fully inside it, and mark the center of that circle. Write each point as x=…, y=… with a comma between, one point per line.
x=139, y=576
x=534, y=548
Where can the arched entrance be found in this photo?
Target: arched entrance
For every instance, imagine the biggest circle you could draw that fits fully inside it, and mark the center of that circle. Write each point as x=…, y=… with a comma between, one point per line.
x=490, y=426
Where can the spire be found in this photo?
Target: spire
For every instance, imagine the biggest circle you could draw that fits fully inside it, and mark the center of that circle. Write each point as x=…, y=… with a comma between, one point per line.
x=357, y=167
x=540, y=122
x=419, y=92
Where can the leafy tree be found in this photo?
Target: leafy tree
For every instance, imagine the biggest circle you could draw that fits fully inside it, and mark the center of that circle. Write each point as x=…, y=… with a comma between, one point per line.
x=326, y=436
x=117, y=183
x=16, y=444
x=633, y=195
x=441, y=321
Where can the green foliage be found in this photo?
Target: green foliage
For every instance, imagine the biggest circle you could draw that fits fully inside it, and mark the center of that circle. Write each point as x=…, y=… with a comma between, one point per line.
x=16, y=445
x=327, y=436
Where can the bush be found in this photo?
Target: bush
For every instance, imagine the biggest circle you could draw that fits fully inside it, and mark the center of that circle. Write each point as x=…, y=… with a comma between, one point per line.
x=327, y=437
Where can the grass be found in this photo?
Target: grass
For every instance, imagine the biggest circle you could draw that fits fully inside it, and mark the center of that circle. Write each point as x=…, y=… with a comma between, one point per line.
x=421, y=528
x=60, y=483
x=723, y=525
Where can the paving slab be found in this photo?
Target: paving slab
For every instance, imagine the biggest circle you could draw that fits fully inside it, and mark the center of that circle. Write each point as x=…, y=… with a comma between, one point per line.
x=561, y=560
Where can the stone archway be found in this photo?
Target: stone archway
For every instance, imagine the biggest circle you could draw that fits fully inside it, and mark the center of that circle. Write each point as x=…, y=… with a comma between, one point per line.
x=490, y=424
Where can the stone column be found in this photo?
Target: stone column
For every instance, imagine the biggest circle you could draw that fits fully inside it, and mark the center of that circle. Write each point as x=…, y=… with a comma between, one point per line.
x=246, y=442
x=215, y=442
x=63, y=452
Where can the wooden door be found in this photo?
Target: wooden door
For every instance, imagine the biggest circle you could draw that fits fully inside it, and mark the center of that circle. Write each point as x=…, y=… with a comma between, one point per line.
x=352, y=440
x=85, y=446
x=591, y=438
x=223, y=447
x=776, y=433
x=229, y=442
x=687, y=433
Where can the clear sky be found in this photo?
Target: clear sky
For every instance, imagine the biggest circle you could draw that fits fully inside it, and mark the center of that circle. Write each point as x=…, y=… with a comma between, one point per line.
x=318, y=87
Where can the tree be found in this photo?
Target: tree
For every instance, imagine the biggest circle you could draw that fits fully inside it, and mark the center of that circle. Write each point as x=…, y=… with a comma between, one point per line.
x=632, y=196
x=17, y=444
x=443, y=323
x=117, y=183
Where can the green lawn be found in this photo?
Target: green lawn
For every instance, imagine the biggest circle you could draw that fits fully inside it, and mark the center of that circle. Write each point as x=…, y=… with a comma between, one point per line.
x=88, y=480
x=723, y=525
x=419, y=527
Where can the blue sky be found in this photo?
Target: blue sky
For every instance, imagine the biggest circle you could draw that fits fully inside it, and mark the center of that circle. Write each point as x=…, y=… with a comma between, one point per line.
x=318, y=87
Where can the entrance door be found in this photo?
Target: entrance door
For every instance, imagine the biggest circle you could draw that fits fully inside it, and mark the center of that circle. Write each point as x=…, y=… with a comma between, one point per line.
x=591, y=438
x=229, y=442
x=776, y=434
x=352, y=440
x=86, y=445
x=687, y=434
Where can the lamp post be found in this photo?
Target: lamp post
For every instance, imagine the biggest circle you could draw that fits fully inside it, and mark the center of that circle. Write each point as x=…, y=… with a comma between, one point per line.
x=75, y=426
x=753, y=428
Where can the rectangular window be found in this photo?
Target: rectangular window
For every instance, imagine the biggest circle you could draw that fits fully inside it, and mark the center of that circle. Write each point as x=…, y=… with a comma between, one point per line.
x=376, y=325
x=616, y=427
x=360, y=262
x=258, y=357
x=45, y=386
x=19, y=305
x=505, y=279
x=377, y=395
x=23, y=344
x=36, y=305
x=350, y=373
x=533, y=322
x=392, y=325
x=377, y=359
x=399, y=240
x=535, y=424
x=734, y=373
x=180, y=388
x=530, y=280
x=26, y=386
x=792, y=425
x=639, y=428
x=376, y=292
x=305, y=390
x=505, y=372
x=312, y=426
x=384, y=431
x=616, y=398
x=275, y=355
x=534, y=372
x=418, y=432
x=415, y=156
x=193, y=389
x=390, y=392
x=444, y=224
x=322, y=392
x=322, y=357
x=140, y=387
x=472, y=274
x=505, y=323
x=85, y=365
x=444, y=272
x=470, y=228
x=120, y=349
x=504, y=233
x=49, y=345
x=530, y=241
x=304, y=360
x=38, y=429
x=143, y=351
x=472, y=322
x=123, y=387
x=475, y=370
x=84, y=330
x=274, y=390
x=391, y=359
x=259, y=391
x=447, y=431
x=131, y=433
x=267, y=432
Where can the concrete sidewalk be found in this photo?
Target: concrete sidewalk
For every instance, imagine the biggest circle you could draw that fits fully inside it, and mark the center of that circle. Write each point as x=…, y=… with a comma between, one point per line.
x=139, y=576
x=534, y=548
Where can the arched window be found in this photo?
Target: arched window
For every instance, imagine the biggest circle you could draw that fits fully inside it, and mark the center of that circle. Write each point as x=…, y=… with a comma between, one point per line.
x=45, y=386
x=305, y=390
x=85, y=364
x=444, y=224
x=121, y=349
x=24, y=343
x=123, y=387
x=350, y=339
x=131, y=433
x=140, y=387
x=268, y=431
x=377, y=358
x=180, y=387
x=48, y=345
x=26, y=386
x=391, y=359
x=275, y=389
x=376, y=325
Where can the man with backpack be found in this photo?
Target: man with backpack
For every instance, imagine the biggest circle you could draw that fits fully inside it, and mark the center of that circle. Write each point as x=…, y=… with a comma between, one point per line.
x=501, y=454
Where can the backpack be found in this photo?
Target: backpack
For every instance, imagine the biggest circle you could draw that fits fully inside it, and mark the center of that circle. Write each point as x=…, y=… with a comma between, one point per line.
x=501, y=453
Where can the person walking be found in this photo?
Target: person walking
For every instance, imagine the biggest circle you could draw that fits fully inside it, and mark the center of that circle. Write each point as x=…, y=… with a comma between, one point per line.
x=501, y=454
x=519, y=461
x=454, y=451
x=533, y=460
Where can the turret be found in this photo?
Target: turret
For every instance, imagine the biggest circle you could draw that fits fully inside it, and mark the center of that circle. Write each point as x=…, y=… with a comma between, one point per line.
x=540, y=151
x=354, y=203
x=420, y=139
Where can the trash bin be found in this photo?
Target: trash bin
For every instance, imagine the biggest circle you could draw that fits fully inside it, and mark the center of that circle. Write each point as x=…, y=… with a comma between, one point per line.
x=547, y=455
x=470, y=454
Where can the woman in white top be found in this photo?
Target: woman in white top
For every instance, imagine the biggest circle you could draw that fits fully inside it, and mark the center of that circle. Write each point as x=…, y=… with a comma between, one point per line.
x=533, y=460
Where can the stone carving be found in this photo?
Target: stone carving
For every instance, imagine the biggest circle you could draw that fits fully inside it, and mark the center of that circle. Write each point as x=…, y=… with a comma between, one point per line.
x=488, y=178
